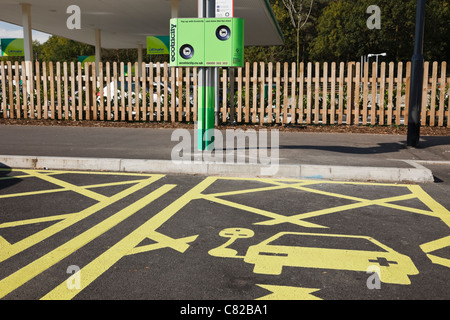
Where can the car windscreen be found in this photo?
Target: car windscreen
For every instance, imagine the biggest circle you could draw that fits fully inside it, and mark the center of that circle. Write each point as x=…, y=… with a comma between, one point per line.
x=326, y=242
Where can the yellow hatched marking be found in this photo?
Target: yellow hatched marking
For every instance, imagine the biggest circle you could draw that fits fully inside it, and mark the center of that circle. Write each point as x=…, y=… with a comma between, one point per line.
x=35, y=220
x=271, y=188
x=435, y=244
x=26, y=175
x=41, y=264
x=275, y=216
x=80, y=172
x=438, y=210
x=68, y=186
x=57, y=217
x=288, y=293
x=32, y=193
x=180, y=245
x=3, y=243
x=72, y=219
x=362, y=203
x=126, y=246
x=381, y=202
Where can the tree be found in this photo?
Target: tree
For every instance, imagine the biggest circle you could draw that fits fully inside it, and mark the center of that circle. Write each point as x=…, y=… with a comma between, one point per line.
x=299, y=12
x=342, y=33
x=62, y=49
x=288, y=51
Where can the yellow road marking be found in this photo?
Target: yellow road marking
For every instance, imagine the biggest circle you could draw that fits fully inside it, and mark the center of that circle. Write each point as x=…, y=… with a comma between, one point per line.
x=35, y=220
x=31, y=193
x=3, y=243
x=72, y=219
x=39, y=192
x=102, y=263
x=435, y=245
x=41, y=264
x=439, y=210
x=67, y=185
x=288, y=293
x=129, y=244
x=275, y=216
x=271, y=188
x=180, y=245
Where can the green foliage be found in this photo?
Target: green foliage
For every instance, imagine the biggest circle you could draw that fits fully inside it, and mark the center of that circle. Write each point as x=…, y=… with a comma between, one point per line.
x=344, y=36
x=62, y=49
x=335, y=31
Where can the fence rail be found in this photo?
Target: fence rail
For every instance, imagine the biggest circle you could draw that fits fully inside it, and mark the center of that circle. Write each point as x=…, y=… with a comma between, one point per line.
x=312, y=93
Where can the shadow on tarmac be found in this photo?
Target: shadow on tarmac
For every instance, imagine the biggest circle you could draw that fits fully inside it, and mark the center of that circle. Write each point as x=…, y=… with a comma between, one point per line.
x=390, y=147
x=5, y=178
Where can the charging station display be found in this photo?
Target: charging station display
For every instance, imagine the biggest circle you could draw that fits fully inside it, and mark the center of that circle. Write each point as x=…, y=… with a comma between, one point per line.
x=207, y=42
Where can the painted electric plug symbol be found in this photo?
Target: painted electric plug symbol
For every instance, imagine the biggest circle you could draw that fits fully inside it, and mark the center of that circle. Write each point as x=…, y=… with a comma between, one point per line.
x=233, y=233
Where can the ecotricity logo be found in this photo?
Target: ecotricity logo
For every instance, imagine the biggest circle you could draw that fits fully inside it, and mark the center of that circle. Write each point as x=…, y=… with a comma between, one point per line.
x=172, y=42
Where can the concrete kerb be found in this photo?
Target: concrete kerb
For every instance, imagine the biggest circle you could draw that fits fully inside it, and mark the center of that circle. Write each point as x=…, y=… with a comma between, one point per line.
x=349, y=173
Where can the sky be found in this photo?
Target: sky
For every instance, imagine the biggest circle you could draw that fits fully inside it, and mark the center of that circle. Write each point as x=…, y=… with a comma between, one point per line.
x=8, y=30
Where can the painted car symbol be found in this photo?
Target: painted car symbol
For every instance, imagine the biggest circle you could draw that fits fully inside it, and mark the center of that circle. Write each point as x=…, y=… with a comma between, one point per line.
x=269, y=257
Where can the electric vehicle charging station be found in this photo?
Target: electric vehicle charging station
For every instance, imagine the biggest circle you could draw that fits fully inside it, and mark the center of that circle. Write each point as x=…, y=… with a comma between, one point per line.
x=206, y=43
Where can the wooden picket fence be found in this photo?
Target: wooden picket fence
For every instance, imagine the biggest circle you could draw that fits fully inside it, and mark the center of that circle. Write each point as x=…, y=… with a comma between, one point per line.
x=260, y=93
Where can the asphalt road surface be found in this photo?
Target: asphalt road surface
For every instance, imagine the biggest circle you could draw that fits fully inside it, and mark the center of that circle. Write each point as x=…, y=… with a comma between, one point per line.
x=119, y=236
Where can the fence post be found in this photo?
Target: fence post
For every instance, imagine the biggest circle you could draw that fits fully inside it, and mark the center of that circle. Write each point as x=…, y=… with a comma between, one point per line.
x=365, y=92
x=277, y=92
x=301, y=93
x=10, y=89
x=325, y=93
x=239, y=106
x=261, y=93
x=269, y=92
x=350, y=92
x=390, y=93
x=45, y=91
x=80, y=91
x=433, y=94
x=293, y=101
x=333, y=94
x=316, y=92
x=443, y=87
x=66, y=91
x=224, y=95
x=424, y=95
x=382, y=90
x=4, y=106
x=255, y=91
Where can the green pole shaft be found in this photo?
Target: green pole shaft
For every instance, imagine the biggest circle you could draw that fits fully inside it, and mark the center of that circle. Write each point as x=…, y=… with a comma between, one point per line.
x=205, y=112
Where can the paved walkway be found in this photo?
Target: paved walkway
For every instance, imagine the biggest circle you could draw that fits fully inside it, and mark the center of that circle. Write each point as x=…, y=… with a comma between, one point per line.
x=301, y=155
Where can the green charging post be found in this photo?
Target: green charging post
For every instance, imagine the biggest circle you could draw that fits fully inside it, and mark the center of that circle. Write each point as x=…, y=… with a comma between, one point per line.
x=210, y=43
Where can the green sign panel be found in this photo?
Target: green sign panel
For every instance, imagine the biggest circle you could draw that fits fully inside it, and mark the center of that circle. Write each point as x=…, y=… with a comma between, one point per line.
x=12, y=47
x=207, y=42
x=84, y=59
x=158, y=44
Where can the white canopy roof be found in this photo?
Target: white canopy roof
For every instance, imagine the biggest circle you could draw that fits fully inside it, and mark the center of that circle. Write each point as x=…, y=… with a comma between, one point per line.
x=127, y=23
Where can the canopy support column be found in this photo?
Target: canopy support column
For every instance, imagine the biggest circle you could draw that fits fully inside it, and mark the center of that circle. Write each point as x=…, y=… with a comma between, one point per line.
x=98, y=48
x=27, y=42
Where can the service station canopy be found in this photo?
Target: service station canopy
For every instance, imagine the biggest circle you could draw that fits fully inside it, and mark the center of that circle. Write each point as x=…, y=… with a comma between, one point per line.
x=126, y=24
